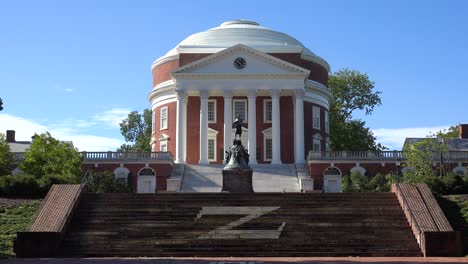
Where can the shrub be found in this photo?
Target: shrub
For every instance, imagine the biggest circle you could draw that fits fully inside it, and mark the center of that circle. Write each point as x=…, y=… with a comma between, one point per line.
x=21, y=185
x=359, y=183
x=105, y=182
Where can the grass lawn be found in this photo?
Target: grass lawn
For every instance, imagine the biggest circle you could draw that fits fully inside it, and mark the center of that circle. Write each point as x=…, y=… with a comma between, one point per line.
x=14, y=217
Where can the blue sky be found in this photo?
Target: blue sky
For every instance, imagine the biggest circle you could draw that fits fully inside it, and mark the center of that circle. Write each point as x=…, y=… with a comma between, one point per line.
x=76, y=68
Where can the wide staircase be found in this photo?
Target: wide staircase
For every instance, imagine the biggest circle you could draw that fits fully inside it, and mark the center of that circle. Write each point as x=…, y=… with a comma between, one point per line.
x=221, y=224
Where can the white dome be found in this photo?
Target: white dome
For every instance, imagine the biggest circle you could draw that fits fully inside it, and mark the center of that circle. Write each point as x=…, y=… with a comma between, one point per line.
x=244, y=32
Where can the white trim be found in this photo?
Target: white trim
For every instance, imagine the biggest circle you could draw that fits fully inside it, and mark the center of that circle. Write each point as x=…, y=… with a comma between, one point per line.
x=163, y=60
x=161, y=127
x=121, y=173
x=267, y=134
x=161, y=144
x=212, y=135
x=214, y=101
x=245, y=109
x=265, y=101
x=316, y=114
x=185, y=70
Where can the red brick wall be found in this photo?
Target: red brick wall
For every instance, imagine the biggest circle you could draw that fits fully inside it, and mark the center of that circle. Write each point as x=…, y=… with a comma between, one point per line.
x=171, y=127
x=163, y=171
x=287, y=129
x=308, y=128
x=187, y=58
x=162, y=73
x=193, y=130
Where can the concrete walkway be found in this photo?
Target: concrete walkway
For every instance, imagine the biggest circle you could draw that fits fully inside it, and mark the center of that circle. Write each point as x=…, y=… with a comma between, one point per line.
x=266, y=178
x=302, y=260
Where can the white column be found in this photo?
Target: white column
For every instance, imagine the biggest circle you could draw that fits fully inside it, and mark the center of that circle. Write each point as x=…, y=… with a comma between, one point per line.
x=180, y=127
x=185, y=127
x=299, y=126
x=276, y=142
x=227, y=120
x=203, y=127
x=252, y=121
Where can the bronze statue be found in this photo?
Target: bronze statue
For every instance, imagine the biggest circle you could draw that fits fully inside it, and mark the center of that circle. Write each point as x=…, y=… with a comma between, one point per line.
x=238, y=125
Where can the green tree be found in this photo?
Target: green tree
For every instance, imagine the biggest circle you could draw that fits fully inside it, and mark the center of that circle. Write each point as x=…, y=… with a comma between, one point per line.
x=6, y=157
x=136, y=129
x=352, y=91
x=48, y=157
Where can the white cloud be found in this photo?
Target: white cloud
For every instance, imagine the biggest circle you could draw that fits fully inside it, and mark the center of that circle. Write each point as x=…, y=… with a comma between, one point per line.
x=26, y=128
x=393, y=138
x=68, y=90
x=113, y=116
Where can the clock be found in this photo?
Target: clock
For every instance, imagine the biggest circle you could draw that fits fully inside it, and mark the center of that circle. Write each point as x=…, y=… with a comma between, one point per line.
x=240, y=63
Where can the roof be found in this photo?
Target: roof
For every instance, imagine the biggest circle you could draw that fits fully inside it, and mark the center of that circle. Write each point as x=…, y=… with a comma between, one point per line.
x=453, y=144
x=240, y=31
x=19, y=146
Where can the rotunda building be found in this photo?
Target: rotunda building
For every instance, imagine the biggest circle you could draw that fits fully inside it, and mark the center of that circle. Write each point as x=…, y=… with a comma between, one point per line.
x=240, y=68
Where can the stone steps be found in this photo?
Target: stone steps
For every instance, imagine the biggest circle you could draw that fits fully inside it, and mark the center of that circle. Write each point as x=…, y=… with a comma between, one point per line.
x=265, y=224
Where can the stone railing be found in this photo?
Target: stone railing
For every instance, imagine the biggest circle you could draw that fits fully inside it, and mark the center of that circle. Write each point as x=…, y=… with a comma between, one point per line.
x=110, y=156
x=454, y=156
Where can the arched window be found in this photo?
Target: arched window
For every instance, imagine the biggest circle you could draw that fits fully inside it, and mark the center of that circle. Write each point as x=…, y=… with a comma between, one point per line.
x=147, y=172
x=146, y=180
x=359, y=169
x=460, y=170
x=332, y=179
x=121, y=174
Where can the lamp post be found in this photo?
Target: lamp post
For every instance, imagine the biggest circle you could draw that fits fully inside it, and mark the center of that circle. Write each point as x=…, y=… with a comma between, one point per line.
x=441, y=142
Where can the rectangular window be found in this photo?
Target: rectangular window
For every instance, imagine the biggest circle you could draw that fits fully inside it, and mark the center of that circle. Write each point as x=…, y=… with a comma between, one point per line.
x=212, y=111
x=163, y=117
x=153, y=124
x=316, y=146
x=327, y=122
x=240, y=108
x=163, y=146
x=267, y=111
x=211, y=149
x=268, y=149
x=316, y=117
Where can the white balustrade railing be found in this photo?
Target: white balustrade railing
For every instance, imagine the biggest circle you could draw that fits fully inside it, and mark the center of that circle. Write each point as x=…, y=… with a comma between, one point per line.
x=113, y=156
x=381, y=155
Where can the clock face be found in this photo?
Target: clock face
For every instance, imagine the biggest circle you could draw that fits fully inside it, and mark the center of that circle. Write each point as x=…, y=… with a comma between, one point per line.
x=240, y=63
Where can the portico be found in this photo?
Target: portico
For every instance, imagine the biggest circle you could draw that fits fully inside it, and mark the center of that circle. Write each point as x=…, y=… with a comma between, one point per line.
x=264, y=76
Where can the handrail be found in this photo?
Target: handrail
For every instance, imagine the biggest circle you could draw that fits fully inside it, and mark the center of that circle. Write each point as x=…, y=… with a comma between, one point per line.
x=406, y=208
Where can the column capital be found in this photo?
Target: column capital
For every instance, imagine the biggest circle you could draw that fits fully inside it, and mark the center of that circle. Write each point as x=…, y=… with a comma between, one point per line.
x=275, y=93
x=204, y=94
x=181, y=95
x=227, y=94
x=299, y=93
x=252, y=93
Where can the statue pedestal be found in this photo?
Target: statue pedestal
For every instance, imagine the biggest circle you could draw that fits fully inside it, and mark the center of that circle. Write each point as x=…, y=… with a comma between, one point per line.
x=237, y=181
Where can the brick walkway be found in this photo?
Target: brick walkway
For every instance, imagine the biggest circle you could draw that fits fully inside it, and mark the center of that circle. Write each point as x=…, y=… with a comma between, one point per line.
x=349, y=260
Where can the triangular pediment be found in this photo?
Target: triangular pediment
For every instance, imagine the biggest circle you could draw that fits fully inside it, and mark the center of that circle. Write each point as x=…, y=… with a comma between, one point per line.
x=257, y=63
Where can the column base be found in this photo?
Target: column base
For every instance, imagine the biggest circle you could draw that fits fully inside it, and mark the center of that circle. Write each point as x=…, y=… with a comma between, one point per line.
x=276, y=162
x=300, y=162
x=179, y=161
x=204, y=162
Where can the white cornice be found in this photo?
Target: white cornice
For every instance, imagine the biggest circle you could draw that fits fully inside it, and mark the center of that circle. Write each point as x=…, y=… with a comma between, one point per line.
x=317, y=59
x=163, y=60
x=256, y=53
x=203, y=76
